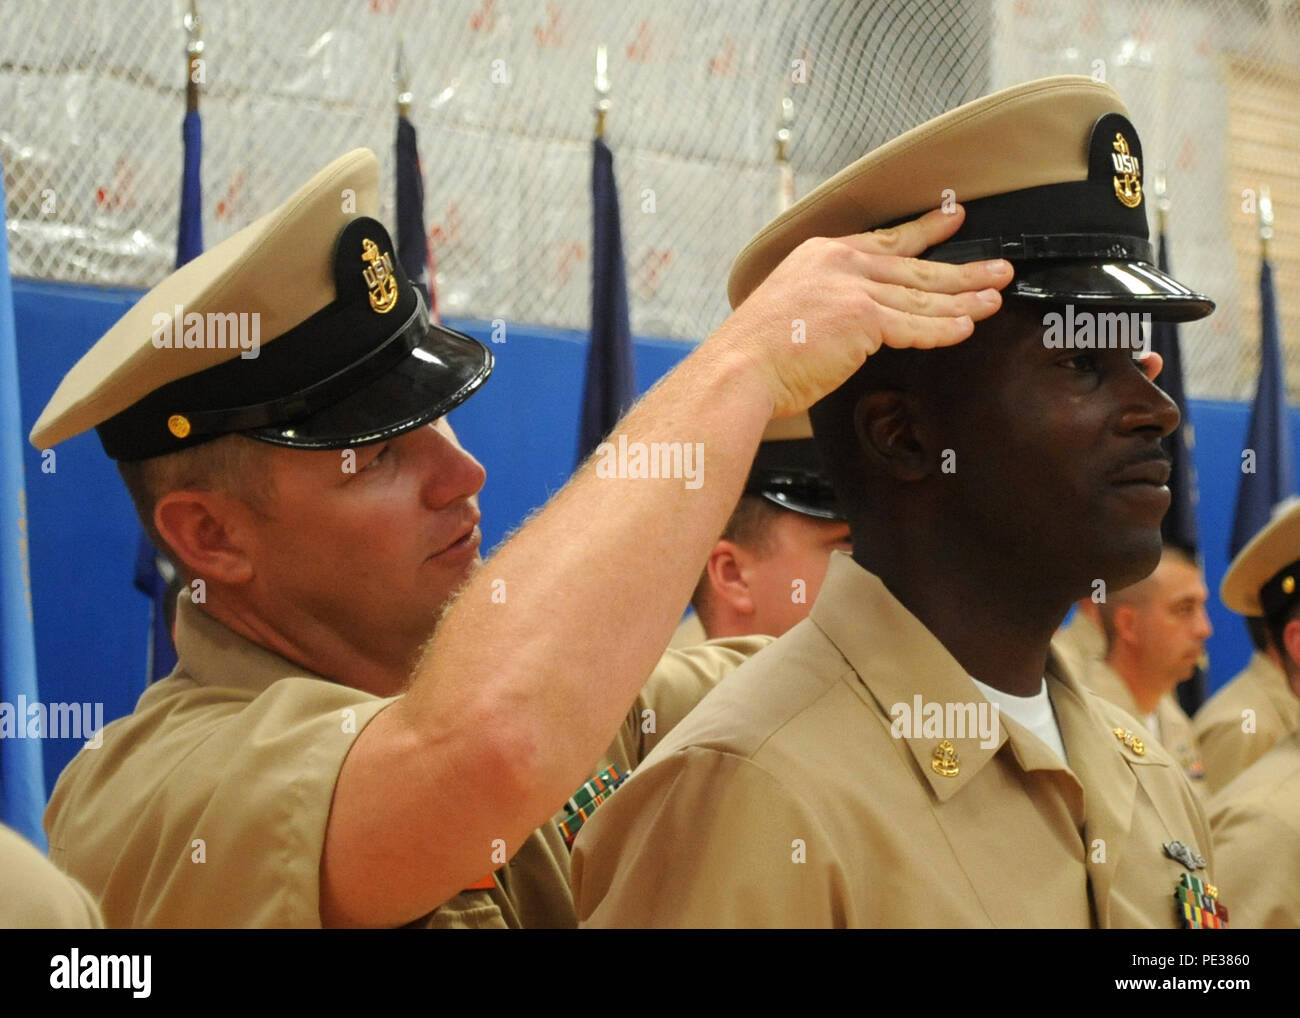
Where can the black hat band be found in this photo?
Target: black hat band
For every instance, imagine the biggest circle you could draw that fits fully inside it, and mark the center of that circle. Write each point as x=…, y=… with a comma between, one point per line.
x=1281, y=592
x=325, y=393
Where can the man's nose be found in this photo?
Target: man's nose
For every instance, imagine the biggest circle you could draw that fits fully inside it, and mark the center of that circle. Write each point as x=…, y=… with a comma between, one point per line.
x=1204, y=630
x=452, y=473
x=1146, y=406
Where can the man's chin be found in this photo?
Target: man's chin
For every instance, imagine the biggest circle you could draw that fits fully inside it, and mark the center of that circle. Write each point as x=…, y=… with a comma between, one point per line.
x=1123, y=563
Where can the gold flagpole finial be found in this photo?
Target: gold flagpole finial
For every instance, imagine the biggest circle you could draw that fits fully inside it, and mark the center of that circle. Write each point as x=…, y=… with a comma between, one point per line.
x=602, y=89
x=1265, y=220
x=193, y=56
x=402, y=79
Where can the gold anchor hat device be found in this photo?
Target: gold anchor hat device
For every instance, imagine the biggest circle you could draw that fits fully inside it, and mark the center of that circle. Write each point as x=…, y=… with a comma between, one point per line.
x=346, y=352
x=1050, y=175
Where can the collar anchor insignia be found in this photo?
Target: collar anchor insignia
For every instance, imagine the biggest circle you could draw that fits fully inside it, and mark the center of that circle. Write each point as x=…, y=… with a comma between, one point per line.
x=944, y=760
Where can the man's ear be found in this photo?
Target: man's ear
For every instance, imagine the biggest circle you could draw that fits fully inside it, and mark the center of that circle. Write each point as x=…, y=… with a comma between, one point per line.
x=1126, y=624
x=207, y=530
x=896, y=434
x=1291, y=643
x=728, y=577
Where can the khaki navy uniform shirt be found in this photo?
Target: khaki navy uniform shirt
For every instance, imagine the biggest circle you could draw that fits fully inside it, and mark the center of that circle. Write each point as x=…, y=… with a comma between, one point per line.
x=207, y=806
x=1256, y=825
x=689, y=632
x=1079, y=644
x=1227, y=749
x=784, y=799
x=681, y=679
x=1176, y=732
x=34, y=895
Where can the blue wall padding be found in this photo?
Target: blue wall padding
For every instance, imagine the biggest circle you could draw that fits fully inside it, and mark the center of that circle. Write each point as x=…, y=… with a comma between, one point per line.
x=91, y=623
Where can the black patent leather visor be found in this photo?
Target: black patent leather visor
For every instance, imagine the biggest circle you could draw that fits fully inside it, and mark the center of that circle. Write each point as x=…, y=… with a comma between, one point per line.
x=1112, y=285
x=436, y=375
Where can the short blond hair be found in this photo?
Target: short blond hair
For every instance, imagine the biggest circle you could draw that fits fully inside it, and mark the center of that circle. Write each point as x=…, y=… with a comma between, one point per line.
x=233, y=465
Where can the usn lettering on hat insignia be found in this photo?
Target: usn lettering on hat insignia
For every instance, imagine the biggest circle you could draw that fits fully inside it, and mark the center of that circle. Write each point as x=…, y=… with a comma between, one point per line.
x=379, y=277
x=1198, y=904
x=944, y=760
x=1128, y=179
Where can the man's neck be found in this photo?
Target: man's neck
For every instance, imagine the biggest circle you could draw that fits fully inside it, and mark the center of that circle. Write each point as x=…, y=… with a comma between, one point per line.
x=998, y=628
x=316, y=648
x=1146, y=695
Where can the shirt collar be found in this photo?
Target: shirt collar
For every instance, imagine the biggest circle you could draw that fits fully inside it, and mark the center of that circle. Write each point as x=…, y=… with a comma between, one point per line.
x=897, y=659
x=211, y=654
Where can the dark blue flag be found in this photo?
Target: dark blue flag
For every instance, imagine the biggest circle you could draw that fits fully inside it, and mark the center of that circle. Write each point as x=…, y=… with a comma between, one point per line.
x=22, y=770
x=1268, y=440
x=189, y=237
x=1179, y=525
x=611, y=376
x=154, y=574
x=412, y=242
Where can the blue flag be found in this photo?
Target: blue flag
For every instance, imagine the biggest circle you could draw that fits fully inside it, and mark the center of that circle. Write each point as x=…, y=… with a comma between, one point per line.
x=412, y=243
x=1269, y=435
x=1179, y=525
x=154, y=574
x=22, y=769
x=611, y=377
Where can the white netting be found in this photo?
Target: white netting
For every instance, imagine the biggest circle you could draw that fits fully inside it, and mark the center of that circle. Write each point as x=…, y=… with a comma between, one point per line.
x=92, y=98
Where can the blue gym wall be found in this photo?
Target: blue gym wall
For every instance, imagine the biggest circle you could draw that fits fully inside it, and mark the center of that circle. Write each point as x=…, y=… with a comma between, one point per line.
x=91, y=623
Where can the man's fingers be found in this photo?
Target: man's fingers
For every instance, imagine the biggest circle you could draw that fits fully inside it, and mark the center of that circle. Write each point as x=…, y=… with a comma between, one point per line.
x=977, y=304
x=902, y=329
x=913, y=236
x=935, y=277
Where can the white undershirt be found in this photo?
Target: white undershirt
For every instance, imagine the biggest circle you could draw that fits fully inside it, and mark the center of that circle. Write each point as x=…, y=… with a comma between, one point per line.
x=1034, y=712
x=1153, y=725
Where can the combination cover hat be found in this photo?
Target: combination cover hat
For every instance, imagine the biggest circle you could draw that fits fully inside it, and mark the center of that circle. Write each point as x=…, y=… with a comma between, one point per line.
x=301, y=330
x=788, y=472
x=1264, y=578
x=1050, y=175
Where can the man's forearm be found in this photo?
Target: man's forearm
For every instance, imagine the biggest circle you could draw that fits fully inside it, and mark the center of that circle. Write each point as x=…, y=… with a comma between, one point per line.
x=568, y=619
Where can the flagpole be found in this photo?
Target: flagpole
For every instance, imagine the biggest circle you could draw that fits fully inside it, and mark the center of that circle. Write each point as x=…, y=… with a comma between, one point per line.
x=193, y=58
x=785, y=193
x=601, y=107
x=1265, y=221
x=609, y=387
x=414, y=247
x=402, y=78
x=1162, y=201
x=1268, y=435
